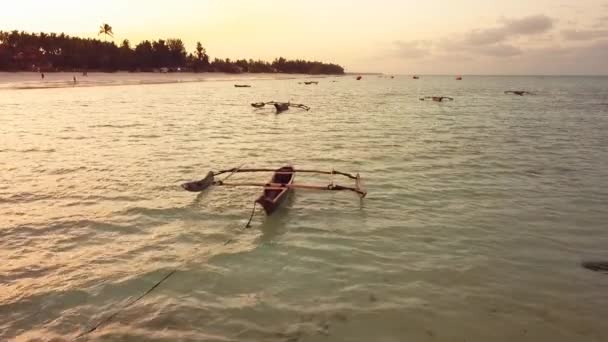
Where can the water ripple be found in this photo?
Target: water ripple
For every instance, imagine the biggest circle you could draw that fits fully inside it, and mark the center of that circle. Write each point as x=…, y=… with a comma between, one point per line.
x=478, y=215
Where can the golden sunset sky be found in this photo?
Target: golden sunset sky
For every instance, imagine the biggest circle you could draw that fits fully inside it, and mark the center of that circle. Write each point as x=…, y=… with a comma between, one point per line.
x=407, y=36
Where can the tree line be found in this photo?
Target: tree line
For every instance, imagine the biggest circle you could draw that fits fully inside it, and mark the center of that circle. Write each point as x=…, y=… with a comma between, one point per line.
x=22, y=51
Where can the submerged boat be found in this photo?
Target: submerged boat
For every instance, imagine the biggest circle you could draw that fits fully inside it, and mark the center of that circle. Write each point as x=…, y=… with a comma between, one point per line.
x=277, y=190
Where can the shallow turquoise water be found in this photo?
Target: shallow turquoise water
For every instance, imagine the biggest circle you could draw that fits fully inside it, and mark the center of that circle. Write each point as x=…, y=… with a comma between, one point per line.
x=479, y=211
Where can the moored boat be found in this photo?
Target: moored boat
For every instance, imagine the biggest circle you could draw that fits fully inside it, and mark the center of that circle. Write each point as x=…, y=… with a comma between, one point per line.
x=280, y=185
x=280, y=106
x=437, y=98
x=518, y=92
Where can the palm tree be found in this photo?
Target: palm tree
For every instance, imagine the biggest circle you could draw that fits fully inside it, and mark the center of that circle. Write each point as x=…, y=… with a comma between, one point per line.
x=106, y=30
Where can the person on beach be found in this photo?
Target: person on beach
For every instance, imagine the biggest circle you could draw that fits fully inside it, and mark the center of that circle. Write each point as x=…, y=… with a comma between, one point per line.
x=42, y=75
x=74, y=79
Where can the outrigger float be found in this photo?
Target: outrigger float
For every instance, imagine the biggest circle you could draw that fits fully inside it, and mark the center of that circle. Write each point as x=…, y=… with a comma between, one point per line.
x=281, y=183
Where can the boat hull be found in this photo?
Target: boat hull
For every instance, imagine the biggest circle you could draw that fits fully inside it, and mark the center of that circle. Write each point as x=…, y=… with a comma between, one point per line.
x=274, y=195
x=281, y=107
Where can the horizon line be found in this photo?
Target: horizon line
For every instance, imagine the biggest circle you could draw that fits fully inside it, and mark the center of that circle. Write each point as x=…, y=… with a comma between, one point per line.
x=348, y=73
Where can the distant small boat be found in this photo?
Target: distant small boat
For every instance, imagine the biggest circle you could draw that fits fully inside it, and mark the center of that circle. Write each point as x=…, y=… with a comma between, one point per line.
x=436, y=98
x=416, y=77
x=311, y=82
x=598, y=266
x=518, y=92
x=459, y=78
x=242, y=86
x=280, y=106
x=359, y=78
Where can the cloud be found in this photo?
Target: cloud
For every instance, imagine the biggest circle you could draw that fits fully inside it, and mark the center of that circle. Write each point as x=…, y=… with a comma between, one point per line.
x=527, y=45
x=412, y=49
x=587, y=59
x=601, y=21
x=510, y=28
x=487, y=36
x=584, y=34
x=529, y=25
x=498, y=50
x=447, y=46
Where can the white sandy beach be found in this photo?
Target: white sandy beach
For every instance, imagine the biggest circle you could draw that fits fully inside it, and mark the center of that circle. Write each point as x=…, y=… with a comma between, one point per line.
x=33, y=80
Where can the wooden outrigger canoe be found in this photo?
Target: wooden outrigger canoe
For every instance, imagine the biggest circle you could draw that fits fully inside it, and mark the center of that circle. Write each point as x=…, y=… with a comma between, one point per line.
x=281, y=183
x=280, y=106
x=437, y=98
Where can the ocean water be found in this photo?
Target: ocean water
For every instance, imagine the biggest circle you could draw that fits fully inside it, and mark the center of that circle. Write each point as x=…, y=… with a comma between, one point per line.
x=478, y=216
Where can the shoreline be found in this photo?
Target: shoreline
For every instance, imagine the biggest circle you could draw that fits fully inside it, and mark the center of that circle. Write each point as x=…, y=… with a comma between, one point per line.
x=26, y=80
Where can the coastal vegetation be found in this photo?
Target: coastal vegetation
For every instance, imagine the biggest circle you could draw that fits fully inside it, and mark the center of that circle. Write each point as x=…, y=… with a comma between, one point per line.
x=106, y=30
x=23, y=51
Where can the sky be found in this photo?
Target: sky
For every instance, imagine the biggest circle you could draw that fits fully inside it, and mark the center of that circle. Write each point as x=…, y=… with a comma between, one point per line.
x=389, y=36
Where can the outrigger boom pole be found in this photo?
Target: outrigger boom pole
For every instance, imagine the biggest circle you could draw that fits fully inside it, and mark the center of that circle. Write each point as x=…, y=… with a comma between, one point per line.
x=279, y=186
x=332, y=172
